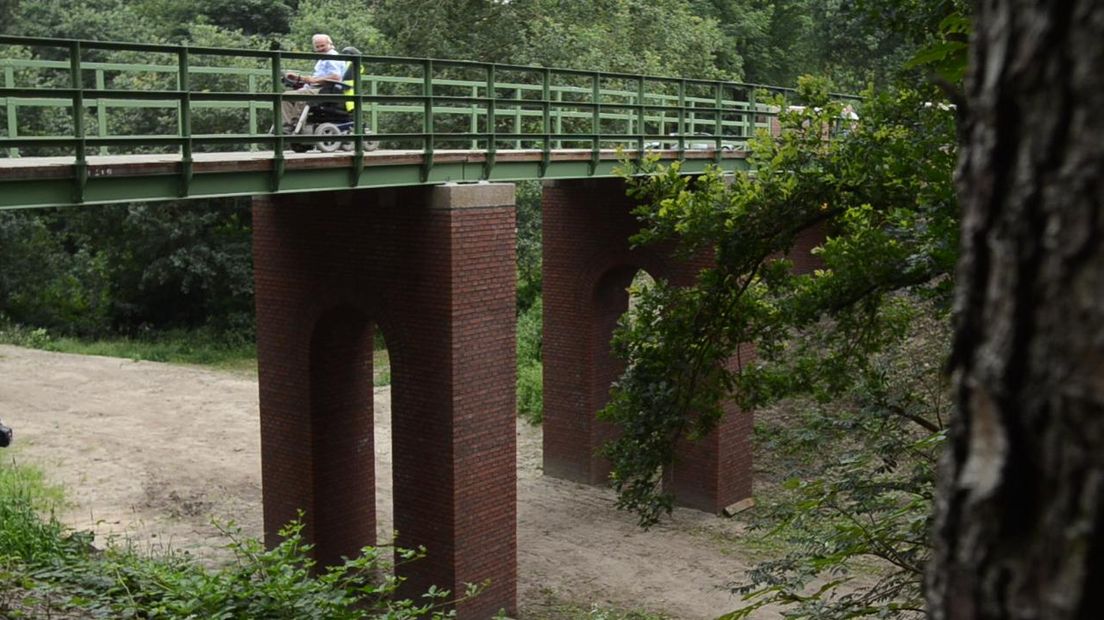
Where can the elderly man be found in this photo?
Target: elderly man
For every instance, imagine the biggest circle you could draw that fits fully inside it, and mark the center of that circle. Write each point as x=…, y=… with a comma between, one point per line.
x=324, y=69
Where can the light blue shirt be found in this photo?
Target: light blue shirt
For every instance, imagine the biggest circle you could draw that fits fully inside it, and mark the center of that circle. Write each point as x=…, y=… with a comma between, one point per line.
x=326, y=66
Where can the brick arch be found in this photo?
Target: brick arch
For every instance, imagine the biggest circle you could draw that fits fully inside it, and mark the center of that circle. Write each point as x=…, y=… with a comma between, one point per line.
x=587, y=265
x=586, y=227
x=434, y=267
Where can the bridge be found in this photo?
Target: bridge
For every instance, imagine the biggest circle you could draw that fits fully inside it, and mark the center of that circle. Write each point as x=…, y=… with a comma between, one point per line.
x=415, y=237
x=95, y=122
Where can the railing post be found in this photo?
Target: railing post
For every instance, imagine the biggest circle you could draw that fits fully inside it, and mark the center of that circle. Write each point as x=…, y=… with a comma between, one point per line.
x=749, y=127
x=596, y=121
x=13, y=118
x=517, y=116
x=546, y=119
x=473, y=123
x=373, y=108
x=358, y=124
x=427, y=119
x=489, y=163
x=277, y=122
x=642, y=127
x=559, y=118
x=718, y=126
x=185, y=116
x=252, y=110
x=80, y=167
x=101, y=109
x=682, y=118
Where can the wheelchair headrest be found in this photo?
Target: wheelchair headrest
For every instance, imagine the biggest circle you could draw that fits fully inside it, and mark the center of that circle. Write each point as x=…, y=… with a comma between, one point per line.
x=351, y=51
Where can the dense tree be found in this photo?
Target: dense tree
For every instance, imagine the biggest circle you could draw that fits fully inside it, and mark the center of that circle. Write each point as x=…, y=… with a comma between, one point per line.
x=125, y=268
x=349, y=23
x=881, y=189
x=1020, y=530
x=663, y=37
x=95, y=19
x=465, y=29
x=250, y=17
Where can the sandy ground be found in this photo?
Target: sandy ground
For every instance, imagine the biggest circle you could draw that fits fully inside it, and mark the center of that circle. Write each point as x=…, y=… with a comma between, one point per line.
x=151, y=453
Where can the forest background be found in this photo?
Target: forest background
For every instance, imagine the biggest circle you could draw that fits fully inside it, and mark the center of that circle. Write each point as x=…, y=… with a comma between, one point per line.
x=146, y=270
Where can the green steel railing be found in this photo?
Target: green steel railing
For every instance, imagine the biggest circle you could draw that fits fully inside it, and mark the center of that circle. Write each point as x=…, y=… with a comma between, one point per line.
x=82, y=98
x=506, y=106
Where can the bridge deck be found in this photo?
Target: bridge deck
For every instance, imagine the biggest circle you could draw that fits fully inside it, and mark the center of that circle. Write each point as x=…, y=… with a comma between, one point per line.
x=131, y=165
x=57, y=181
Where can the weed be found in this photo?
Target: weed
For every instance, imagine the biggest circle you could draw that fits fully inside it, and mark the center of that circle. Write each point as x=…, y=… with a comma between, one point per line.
x=47, y=568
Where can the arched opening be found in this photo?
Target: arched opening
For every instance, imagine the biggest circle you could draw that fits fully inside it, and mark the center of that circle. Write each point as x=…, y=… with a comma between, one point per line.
x=341, y=515
x=641, y=282
x=613, y=294
x=384, y=454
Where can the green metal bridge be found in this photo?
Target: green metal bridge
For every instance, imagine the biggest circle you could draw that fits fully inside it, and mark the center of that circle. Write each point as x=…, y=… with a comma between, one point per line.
x=89, y=122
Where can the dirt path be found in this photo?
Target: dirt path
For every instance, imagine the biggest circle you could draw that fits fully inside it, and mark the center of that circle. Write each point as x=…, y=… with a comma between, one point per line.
x=150, y=453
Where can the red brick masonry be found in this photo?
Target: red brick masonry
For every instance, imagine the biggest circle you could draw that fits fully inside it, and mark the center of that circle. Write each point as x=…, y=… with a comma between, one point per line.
x=435, y=269
x=587, y=266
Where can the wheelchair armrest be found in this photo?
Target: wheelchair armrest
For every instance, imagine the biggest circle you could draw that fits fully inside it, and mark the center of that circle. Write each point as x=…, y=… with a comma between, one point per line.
x=333, y=87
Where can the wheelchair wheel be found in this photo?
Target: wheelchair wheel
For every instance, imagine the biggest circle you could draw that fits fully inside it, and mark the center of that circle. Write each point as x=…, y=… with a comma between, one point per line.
x=327, y=129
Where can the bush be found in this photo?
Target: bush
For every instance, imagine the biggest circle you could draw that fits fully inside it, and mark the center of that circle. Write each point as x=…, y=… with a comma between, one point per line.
x=530, y=392
x=45, y=567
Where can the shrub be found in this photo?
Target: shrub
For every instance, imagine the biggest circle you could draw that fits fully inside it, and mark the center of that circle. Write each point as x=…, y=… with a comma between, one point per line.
x=46, y=567
x=530, y=393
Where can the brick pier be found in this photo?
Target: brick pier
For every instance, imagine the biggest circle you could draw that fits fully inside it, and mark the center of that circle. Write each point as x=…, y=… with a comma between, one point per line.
x=587, y=266
x=434, y=268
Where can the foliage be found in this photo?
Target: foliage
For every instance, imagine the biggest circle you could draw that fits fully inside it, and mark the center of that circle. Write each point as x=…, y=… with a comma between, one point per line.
x=205, y=347
x=530, y=392
x=249, y=17
x=530, y=369
x=59, y=569
x=659, y=37
x=348, y=23
x=528, y=244
x=880, y=187
x=90, y=19
x=855, y=506
x=126, y=267
x=641, y=36
x=946, y=57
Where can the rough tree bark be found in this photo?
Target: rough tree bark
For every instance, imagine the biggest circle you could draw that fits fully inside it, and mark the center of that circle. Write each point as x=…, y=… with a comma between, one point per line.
x=1020, y=511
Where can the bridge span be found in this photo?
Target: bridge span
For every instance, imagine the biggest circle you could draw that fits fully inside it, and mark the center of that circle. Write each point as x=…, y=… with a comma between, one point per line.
x=409, y=228
x=30, y=182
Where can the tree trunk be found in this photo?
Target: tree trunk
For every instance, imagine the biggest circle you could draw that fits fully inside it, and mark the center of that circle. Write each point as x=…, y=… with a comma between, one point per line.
x=1020, y=511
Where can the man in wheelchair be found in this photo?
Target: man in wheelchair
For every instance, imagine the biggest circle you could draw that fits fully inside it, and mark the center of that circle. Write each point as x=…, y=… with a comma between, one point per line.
x=325, y=118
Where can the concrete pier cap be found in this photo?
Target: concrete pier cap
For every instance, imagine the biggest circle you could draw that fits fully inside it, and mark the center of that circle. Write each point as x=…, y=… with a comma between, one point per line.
x=454, y=196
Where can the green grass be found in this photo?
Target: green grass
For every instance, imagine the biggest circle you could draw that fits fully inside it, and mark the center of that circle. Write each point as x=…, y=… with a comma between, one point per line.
x=381, y=368
x=199, y=347
x=172, y=349
x=195, y=348
x=30, y=482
